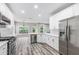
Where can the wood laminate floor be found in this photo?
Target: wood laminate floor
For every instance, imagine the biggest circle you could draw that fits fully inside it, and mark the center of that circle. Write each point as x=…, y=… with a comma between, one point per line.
x=37, y=49
x=42, y=49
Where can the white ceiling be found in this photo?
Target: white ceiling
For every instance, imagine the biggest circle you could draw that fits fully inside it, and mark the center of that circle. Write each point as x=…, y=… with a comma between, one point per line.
x=45, y=9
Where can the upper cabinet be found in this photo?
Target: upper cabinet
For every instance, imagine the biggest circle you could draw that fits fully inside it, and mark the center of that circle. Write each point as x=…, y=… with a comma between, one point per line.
x=54, y=20
x=76, y=9
x=68, y=12
x=4, y=20
x=6, y=14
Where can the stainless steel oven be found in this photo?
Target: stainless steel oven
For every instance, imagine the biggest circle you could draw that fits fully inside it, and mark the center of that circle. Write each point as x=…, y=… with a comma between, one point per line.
x=12, y=46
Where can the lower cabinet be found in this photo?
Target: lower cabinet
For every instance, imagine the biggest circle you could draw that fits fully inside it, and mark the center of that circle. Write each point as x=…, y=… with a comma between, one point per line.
x=55, y=43
x=52, y=41
x=3, y=49
x=39, y=38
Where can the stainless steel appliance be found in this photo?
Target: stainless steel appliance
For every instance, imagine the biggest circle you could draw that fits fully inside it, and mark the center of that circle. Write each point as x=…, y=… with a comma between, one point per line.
x=12, y=46
x=33, y=38
x=69, y=36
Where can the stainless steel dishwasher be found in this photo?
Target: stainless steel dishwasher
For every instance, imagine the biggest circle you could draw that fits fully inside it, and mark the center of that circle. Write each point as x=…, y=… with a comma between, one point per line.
x=12, y=46
x=33, y=38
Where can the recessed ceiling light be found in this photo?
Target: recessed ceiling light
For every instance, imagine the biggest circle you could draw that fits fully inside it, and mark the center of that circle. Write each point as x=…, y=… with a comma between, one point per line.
x=35, y=6
x=39, y=15
x=22, y=11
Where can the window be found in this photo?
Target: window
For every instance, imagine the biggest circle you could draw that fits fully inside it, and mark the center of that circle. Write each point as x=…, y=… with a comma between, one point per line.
x=23, y=29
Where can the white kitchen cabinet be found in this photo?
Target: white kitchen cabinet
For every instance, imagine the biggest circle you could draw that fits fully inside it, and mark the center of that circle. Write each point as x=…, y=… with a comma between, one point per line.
x=3, y=49
x=49, y=40
x=63, y=14
x=55, y=43
x=53, y=22
x=66, y=13
x=52, y=41
x=39, y=37
x=45, y=38
x=42, y=39
x=76, y=9
x=5, y=11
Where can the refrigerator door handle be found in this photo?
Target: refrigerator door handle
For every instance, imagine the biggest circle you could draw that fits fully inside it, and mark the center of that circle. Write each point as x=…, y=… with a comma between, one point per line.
x=69, y=32
x=67, y=38
x=66, y=33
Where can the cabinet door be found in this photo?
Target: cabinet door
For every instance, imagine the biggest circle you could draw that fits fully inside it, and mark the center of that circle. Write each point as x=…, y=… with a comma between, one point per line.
x=50, y=42
x=47, y=39
x=76, y=9
x=42, y=38
x=66, y=13
x=56, y=43
x=39, y=38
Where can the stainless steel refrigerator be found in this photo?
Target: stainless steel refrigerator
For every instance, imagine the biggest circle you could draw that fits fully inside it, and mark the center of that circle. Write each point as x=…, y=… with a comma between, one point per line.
x=69, y=36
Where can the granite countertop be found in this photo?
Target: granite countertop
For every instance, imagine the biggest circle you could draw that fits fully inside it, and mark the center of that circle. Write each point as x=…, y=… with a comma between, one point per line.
x=51, y=34
x=2, y=43
x=5, y=38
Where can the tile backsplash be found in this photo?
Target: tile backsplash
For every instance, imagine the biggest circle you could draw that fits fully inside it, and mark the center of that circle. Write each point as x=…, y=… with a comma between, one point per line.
x=6, y=32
